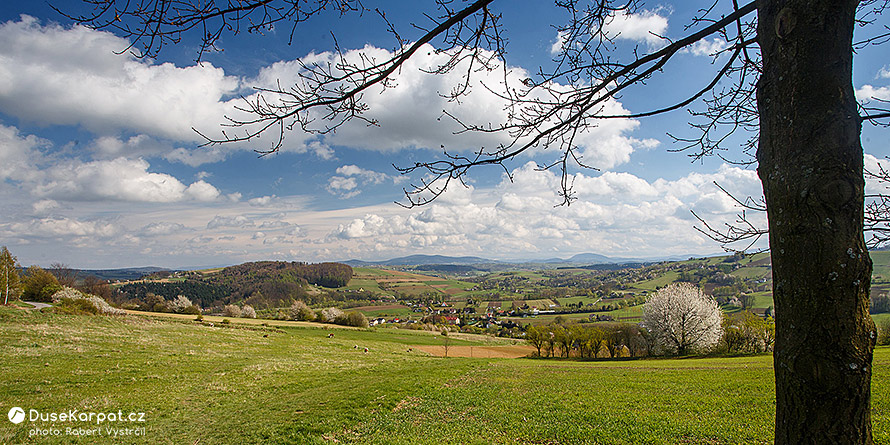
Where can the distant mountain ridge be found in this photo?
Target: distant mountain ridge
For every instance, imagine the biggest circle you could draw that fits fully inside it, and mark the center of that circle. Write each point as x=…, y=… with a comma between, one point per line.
x=425, y=260
x=126, y=273
x=422, y=260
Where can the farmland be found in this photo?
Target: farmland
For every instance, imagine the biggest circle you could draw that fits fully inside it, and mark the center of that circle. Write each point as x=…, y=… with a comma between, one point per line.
x=290, y=383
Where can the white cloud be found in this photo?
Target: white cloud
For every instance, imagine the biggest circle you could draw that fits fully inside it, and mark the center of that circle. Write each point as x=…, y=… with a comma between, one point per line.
x=45, y=206
x=261, y=201
x=162, y=228
x=868, y=93
x=296, y=231
x=409, y=111
x=110, y=147
x=274, y=224
x=154, y=104
x=884, y=72
x=229, y=221
x=113, y=92
x=705, y=47
x=196, y=156
x=353, y=178
x=58, y=179
x=119, y=180
x=65, y=227
x=875, y=165
x=616, y=213
x=645, y=26
x=18, y=154
x=343, y=187
x=559, y=42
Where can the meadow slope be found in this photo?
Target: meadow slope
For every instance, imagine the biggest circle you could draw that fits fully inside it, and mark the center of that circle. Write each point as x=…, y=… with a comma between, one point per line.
x=258, y=384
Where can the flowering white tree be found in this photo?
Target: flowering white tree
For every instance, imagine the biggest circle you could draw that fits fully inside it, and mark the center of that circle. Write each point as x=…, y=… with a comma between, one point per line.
x=248, y=311
x=180, y=303
x=331, y=314
x=301, y=311
x=683, y=319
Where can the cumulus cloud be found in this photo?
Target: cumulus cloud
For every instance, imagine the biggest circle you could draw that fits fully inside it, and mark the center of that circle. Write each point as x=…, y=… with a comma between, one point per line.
x=162, y=228
x=645, y=26
x=350, y=178
x=868, y=93
x=705, y=47
x=615, y=212
x=114, y=92
x=119, y=180
x=884, y=72
x=274, y=224
x=261, y=201
x=876, y=166
x=155, y=104
x=229, y=221
x=410, y=110
x=45, y=206
x=55, y=178
x=18, y=154
x=139, y=145
x=65, y=227
x=196, y=157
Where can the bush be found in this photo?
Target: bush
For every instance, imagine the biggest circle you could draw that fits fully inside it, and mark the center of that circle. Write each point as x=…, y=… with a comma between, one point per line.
x=248, y=311
x=232, y=311
x=180, y=304
x=39, y=285
x=76, y=306
x=301, y=312
x=356, y=319
x=192, y=310
x=331, y=314
x=72, y=299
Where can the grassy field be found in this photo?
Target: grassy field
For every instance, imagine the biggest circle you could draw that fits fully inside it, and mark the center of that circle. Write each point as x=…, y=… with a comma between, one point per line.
x=375, y=279
x=293, y=384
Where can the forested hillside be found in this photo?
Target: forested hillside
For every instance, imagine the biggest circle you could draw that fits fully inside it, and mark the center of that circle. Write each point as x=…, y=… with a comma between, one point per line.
x=262, y=284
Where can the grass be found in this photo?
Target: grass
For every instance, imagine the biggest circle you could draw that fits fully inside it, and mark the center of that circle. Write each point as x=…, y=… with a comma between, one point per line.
x=296, y=385
x=631, y=314
x=386, y=311
x=661, y=281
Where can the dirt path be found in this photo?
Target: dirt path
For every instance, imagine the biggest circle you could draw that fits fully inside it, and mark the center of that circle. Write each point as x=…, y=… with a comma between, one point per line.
x=478, y=351
x=36, y=305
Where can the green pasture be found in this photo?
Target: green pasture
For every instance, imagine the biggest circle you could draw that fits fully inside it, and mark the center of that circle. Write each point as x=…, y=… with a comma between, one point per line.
x=574, y=300
x=661, y=281
x=278, y=385
x=401, y=312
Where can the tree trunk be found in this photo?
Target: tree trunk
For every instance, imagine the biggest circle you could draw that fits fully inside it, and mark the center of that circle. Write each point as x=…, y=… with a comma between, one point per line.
x=810, y=162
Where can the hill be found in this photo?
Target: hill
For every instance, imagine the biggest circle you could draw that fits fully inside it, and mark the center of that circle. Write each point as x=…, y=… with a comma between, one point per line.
x=262, y=284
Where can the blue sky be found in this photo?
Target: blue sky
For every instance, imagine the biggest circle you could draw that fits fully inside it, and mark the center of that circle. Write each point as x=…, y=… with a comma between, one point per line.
x=99, y=166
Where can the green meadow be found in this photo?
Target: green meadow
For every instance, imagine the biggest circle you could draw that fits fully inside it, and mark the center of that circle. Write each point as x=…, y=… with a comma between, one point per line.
x=239, y=383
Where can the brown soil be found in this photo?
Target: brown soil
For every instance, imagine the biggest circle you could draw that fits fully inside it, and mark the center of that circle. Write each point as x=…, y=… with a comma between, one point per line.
x=478, y=351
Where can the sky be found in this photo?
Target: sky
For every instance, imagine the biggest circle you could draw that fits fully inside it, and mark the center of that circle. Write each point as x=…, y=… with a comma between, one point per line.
x=101, y=166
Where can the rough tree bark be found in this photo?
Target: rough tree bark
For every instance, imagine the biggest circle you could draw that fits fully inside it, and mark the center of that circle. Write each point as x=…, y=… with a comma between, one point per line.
x=810, y=162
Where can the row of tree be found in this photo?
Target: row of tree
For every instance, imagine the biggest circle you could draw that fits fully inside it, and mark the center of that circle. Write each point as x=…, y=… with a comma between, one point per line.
x=678, y=319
